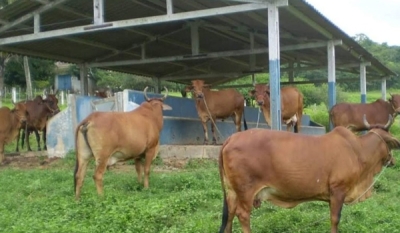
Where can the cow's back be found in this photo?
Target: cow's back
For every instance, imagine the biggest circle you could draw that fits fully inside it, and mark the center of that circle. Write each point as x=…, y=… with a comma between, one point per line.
x=223, y=103
x=290, y=163
x=133, y=131
x=351, y=114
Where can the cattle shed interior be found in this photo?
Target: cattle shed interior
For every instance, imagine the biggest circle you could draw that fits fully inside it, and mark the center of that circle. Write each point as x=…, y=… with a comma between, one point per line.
x=180, y=40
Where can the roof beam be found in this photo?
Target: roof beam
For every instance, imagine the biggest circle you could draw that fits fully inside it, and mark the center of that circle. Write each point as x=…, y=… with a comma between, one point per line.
x=210, y=55
x=133, y=22
x=40, y=54
x=29, y=16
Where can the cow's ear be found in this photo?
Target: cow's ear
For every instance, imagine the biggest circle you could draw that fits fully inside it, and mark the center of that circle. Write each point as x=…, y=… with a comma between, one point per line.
x=252, y=93
x=166, y=107
x=267, y=92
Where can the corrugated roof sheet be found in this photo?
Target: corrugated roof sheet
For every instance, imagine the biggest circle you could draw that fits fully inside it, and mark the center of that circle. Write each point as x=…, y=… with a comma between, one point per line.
x=219, y=33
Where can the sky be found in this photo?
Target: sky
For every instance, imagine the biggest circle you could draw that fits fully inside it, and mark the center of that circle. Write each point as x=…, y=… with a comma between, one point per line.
x=378, y=20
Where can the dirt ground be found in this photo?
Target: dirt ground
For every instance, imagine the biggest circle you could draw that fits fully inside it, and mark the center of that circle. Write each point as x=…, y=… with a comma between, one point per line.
x=32, y=160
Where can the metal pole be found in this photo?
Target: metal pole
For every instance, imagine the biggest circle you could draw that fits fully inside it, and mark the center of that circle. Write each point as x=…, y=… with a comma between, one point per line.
x=331, y=76
x=274, y=66
x=383, y=88
x=363, y=83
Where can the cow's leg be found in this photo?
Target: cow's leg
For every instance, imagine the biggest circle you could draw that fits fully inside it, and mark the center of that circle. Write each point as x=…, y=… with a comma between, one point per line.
x=80, y=171
x=213, y=126
x=335, y=205
x=150, y=155
x=204, y=123
x=101, y=166
x=44, y=138
x=37, y=139
x=18, y=135
x=139, y=169
x=232, y=204
x=28, y=145
x=2, y=157
x=243, y=213
x=238, y=119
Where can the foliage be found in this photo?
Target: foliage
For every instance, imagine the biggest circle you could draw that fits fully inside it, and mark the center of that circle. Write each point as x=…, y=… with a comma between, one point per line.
x=41, y=70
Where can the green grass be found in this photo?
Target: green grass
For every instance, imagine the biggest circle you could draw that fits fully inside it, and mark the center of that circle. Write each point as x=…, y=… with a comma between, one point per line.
x=188, y=200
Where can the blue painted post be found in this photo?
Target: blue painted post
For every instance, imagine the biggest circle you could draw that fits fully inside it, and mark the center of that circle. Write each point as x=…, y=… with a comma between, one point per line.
x=274, y=66
x=383, y=88
x=363, y=82
x=331, y=77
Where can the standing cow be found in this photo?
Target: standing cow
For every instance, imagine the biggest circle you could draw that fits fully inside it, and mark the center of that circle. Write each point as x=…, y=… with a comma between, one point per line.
x=288, y=169
x=212, y=105
x=110, y=137
x=10, y=123
x=350, y=115
x=291, y=105
x=40, y=110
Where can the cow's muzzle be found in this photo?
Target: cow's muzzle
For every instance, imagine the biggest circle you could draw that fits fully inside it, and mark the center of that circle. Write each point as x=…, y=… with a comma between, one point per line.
x=200, y=96
x=260, y=103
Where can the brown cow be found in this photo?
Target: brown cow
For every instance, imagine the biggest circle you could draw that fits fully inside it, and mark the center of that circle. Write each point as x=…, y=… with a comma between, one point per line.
x=291, y=105
x=40, y=110
x=10, y=124
x=350, y=115
x=110, y=137
x=288, y=169
x=217, y=105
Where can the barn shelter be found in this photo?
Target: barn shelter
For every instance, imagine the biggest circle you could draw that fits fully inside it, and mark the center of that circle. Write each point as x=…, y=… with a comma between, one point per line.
x=181, y=40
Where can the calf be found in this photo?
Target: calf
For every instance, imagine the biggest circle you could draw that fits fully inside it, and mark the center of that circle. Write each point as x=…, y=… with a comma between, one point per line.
x=110, y=137
x=291, y=105
x=212, y=105
x=288, y=169
x=10, y=123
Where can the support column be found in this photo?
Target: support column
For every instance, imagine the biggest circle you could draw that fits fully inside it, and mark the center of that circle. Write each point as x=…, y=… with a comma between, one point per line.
x=98, y=12
x=84, y=79
x=383, y=88
x=331, y=77
x=158, y=88
x=36, y=23
x=363, y=82
x=170, y=7
x=274, y=65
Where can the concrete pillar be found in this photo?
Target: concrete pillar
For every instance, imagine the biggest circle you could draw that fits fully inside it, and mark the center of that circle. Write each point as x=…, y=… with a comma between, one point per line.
x=383, y=88
x=331, y=76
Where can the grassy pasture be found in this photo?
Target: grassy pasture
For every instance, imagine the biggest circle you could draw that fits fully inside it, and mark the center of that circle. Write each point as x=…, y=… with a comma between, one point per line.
x=186, y=200
x=40, y=198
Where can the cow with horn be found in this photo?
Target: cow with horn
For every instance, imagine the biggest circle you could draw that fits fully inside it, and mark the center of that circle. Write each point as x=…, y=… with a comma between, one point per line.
x=350, y=115
x=288, y=169
x=109, y=137
x=213, y=105
x=291, y=105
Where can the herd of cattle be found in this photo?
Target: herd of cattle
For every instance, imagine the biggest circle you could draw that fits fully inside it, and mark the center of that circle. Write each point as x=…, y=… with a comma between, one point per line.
x=256, y=165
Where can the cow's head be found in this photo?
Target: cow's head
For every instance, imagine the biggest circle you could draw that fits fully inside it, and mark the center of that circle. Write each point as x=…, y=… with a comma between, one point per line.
x=383, y=132
x=157, y=101
x=20, y=111
x=394, y=100
x=198, y=87
x=51, y=102
x=260, y=94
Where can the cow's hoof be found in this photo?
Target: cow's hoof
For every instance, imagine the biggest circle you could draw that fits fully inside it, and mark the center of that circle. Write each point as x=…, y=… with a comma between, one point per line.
x=205, y=143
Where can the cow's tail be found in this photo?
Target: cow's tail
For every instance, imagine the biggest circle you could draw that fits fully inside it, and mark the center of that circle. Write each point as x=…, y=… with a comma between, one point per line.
x=81, y=129
x=244, y=121
x=300, y=103
x=225, y=203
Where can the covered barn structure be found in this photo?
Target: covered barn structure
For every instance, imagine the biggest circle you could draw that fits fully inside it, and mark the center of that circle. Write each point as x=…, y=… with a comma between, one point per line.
x=182, y=40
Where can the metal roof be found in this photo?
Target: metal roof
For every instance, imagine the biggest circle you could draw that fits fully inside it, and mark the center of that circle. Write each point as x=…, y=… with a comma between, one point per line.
x=163, y=49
